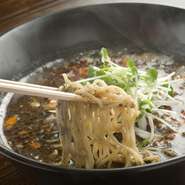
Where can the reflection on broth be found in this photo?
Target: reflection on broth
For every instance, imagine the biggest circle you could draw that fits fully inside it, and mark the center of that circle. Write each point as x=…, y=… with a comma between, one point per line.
x=31, y=128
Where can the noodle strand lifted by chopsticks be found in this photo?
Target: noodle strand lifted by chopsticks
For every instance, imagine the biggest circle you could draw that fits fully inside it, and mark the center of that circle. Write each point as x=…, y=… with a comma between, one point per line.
x=99, y=132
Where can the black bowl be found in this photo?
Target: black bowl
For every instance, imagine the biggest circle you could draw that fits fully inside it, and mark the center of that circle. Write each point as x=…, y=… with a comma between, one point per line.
x=138, y=27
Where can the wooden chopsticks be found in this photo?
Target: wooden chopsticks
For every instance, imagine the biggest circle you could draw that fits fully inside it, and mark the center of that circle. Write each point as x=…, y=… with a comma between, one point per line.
x=37, y=90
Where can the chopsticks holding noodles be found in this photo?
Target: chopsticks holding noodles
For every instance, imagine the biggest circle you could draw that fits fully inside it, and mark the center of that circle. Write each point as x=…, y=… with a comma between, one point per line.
x=36, y=90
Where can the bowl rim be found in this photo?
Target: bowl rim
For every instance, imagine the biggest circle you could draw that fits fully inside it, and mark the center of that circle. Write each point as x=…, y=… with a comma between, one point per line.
x=10, y=154
x=52, y=168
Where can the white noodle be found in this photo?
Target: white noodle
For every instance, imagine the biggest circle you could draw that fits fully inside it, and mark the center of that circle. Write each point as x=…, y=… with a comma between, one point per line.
x=89, y=136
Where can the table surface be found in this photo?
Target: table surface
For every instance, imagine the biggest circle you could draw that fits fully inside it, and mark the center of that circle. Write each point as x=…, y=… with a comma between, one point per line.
x=17, y=12
x=9, y=175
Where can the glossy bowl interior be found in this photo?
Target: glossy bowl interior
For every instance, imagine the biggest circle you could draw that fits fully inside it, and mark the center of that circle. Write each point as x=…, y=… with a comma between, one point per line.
x=137, y=27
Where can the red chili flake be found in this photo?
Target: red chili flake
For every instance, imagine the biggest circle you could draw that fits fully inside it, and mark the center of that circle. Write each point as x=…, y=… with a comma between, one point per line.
x=83, y=71
x=35, y=145
x=170, y=136
x=183, y=112
x=10, y=121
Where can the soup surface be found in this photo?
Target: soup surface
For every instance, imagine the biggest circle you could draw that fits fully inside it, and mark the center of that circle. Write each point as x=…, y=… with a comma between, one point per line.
x=30, y=125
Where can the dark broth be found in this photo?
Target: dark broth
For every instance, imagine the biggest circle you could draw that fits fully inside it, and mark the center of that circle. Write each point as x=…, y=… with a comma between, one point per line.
x=30, y=125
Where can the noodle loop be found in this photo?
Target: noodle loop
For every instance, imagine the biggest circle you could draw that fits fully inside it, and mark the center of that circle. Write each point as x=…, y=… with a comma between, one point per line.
x=90, y=129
